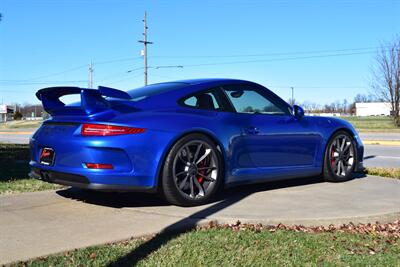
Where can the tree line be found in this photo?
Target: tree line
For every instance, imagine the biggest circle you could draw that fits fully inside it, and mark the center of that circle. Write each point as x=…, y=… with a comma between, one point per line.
x=27, y=111
x=340, y=106
x=385, y=85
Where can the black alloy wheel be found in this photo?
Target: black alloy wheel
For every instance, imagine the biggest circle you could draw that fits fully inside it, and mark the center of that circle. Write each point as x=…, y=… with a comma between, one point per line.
x=340, y=158
x=192, y=171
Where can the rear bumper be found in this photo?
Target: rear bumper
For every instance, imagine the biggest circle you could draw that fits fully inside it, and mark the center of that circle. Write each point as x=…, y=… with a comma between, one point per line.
x=135, y=158
x=80, y=181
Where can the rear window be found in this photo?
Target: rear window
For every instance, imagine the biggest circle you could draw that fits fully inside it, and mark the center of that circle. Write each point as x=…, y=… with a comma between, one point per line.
x=154, y=89
x=202, y=100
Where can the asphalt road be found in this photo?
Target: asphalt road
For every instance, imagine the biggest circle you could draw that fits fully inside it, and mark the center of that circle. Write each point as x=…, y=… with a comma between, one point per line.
x=380, y=136
x=42, y=223
x=382, y=156
x=15, y=136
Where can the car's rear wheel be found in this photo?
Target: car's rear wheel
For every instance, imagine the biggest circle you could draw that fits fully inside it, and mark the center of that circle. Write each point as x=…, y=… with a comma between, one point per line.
x=192, y=171
x=340, y=158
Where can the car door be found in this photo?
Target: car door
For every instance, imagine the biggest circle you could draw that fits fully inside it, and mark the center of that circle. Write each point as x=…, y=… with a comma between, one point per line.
x=226, y=124
x=275, y=139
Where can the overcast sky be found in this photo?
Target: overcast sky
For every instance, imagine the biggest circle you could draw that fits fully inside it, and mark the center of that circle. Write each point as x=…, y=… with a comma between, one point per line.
x=324, y=49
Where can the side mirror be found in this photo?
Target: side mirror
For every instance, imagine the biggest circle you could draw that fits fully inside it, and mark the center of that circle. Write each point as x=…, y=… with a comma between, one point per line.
x=298, y=111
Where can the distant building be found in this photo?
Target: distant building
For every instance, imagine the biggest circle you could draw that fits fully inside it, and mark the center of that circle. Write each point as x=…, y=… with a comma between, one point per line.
x=6, y=113
x=323, y=114
x=373, y=109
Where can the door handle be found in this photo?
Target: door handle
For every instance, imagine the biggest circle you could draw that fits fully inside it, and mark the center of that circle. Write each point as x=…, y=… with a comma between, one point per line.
x=252, y=130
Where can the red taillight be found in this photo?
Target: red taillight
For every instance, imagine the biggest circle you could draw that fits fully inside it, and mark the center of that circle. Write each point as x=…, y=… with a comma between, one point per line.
x=108, y=130
x=98, y=166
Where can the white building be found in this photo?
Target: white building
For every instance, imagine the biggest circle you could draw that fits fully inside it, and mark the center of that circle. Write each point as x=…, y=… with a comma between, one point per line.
x=6, y=113
x=373, y=109
x=324, y=114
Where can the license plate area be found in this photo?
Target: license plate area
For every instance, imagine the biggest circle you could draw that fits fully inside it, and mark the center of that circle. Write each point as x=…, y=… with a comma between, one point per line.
x=47, y=156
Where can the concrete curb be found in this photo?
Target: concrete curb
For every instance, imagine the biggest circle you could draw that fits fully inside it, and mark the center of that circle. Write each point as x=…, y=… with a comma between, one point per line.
x=381, y=142
x=16, y=133
x=381, y=218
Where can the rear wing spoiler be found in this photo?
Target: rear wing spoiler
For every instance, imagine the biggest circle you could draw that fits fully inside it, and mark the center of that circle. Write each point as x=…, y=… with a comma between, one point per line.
x=92, y=100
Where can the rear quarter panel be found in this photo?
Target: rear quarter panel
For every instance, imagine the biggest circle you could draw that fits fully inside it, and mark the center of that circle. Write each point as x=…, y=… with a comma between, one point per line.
x=170, y=125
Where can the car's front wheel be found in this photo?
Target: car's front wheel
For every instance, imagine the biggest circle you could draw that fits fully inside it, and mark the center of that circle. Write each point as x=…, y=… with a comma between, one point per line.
x=340, y=158
x=192, y=171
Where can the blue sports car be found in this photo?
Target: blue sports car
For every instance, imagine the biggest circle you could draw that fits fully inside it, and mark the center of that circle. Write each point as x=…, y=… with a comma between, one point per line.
x=186, y=139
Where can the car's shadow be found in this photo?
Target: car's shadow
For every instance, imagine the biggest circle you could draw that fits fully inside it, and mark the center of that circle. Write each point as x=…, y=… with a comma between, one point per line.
x=136, y=199
x=224, y=200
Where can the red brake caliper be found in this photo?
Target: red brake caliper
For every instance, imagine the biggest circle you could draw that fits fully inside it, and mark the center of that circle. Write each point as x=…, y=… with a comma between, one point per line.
x=199, y=178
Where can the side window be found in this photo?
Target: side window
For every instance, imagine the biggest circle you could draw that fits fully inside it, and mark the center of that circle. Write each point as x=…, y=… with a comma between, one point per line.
x=203, y=100
x=248, y=100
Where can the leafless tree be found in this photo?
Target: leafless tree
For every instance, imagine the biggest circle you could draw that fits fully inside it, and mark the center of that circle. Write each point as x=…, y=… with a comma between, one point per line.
x=386, y=76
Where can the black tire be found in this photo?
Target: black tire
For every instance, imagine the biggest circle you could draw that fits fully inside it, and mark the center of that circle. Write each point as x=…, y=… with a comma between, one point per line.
x=172, y=188
x=331, y=171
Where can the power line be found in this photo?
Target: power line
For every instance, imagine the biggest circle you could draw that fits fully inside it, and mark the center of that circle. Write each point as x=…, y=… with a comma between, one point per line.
x=116, y=60
x=36, y=79
x=55, y=74
x=163, y=76
x=41, y=82
x=215, y=56
x=119, y=74
x=273, y=59
x=272, y=87
x=125, y=79
x=167, y=67
x=133, y=70
x=272, y=54
x=74, y=69
x=205, y=56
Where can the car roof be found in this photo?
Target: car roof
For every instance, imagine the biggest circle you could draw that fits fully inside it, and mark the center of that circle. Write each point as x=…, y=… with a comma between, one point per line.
x=183, y=88
x=204, y=81
x=179, y=86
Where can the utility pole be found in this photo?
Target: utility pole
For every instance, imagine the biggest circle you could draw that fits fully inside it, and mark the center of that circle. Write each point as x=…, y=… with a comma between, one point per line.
x=90, y=84
x=292, y=95
x=145, y=43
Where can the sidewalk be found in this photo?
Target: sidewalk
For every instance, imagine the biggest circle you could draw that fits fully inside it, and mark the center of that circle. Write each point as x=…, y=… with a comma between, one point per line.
x=42, y=223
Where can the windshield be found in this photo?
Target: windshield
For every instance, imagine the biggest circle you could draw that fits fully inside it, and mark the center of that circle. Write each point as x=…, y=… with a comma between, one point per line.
x=154, y=89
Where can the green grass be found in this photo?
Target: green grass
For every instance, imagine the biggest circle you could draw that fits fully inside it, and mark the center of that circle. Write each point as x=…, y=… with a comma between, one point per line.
x=373, y=124
x=385, y=172
x=246, y=247
x=14, y=169
x=14, y=152
x=25, y=185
